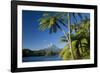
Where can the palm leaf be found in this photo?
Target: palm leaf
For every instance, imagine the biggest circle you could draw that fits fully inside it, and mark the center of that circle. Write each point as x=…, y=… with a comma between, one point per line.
x=64, y=39
x=80, y=15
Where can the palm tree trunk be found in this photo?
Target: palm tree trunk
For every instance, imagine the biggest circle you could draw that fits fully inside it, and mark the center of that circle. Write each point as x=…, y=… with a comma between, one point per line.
x=65, y=34
x=70, y=45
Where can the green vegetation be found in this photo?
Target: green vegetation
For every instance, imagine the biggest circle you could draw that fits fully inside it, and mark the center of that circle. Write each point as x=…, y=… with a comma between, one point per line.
x=80, y=43
x=44, y=52
x=49, y=53
x=27, y=52
x=65, y=53
x=77, y=38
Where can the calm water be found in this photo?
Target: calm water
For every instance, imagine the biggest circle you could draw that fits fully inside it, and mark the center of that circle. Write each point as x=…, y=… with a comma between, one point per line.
x=41, y=58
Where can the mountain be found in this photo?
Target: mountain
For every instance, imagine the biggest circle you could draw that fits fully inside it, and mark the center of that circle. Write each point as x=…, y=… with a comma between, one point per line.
x=49, y=51
x=53, y=48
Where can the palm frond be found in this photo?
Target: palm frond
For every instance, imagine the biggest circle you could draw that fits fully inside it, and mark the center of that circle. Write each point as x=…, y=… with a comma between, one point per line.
x=80, y=15
x=74, y=17
x=64, y=39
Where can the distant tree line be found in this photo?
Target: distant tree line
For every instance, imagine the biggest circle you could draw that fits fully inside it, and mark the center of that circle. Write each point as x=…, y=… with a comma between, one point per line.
x=28, y=52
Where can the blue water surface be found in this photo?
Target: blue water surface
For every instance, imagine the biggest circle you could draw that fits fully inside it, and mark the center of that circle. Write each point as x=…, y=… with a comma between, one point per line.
x=41, y=58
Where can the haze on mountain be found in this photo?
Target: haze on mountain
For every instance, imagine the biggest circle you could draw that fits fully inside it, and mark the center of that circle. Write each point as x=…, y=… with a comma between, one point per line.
x=52, y=47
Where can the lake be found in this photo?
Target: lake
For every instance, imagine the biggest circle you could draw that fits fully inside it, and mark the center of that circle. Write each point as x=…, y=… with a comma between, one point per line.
x=41, y=58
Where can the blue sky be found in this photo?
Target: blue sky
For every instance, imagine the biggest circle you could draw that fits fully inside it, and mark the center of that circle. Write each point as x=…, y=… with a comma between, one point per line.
x=32, y=37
